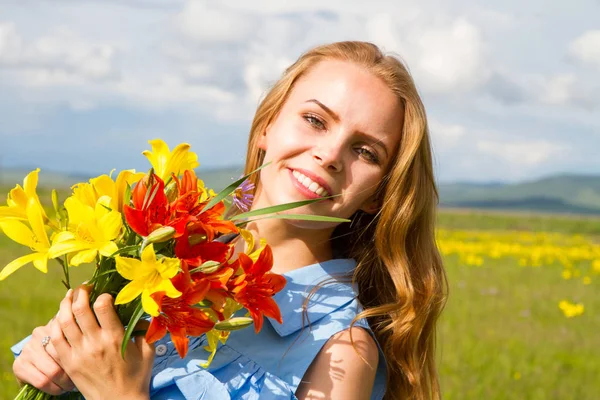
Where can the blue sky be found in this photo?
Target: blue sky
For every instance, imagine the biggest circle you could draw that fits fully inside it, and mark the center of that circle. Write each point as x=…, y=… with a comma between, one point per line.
x=512, y=89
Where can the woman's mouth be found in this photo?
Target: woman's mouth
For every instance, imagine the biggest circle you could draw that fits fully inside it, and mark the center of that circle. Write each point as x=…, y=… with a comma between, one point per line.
x=308, y=185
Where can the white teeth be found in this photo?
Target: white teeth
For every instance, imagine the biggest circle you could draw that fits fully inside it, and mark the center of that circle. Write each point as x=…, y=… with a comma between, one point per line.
x=309, y=184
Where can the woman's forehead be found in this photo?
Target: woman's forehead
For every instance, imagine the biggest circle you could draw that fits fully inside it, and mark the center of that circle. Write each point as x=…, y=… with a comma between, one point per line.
x=352, y=92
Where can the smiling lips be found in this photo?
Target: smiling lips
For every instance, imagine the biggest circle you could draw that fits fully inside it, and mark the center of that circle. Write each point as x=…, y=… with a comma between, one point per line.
x=310, y=184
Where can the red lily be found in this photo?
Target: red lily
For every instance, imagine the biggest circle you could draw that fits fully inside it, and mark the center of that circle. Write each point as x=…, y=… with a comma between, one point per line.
x=150, y=209
x=199, y=253
x=178, y=316
x=261, y=284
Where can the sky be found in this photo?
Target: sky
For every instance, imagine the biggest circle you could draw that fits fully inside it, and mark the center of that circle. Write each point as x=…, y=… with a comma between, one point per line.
x=511, y=88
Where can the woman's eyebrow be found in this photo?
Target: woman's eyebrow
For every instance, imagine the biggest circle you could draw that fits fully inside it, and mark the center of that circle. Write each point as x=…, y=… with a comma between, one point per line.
x=336, y=118
x=328, y=110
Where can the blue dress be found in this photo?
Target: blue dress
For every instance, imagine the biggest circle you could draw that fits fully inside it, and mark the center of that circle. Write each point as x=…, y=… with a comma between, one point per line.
x=270, y=364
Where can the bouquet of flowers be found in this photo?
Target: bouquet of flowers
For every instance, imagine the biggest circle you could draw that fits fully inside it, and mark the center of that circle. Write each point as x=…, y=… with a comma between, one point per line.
x=160, y=245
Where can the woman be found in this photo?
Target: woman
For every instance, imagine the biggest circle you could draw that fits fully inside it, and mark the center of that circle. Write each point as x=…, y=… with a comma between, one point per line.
x=345, y=121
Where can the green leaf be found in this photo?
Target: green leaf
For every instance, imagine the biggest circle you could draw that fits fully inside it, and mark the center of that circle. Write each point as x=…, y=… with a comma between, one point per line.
x=125, y=249
x=229, y=189
x=127, y=195
x=321, y=218
x=95, y=278
x=274, y=209
x=137, y=314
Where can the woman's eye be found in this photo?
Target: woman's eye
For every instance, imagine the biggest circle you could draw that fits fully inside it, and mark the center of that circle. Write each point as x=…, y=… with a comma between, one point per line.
x=369, y=155
x=314, y=121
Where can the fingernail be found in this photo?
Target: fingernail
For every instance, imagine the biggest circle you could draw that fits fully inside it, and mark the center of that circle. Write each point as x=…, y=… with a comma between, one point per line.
x=69, y=292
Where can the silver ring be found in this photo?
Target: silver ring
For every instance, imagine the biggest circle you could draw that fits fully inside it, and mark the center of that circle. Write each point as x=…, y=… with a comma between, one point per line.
x=45, y=341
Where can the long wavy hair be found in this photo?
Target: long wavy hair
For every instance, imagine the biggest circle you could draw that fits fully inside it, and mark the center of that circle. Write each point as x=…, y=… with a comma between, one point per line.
x=400, y=276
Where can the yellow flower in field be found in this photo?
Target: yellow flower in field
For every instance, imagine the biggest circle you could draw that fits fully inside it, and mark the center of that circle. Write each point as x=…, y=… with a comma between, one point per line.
x=147, y=276
x=103, y=185
x=587, y=280
x=596, y=266
x=91, y=231
x=571, y=310
x=566, y=274
x=166, y=162
x=517, y=376
x=18, y=199
x=35, y=238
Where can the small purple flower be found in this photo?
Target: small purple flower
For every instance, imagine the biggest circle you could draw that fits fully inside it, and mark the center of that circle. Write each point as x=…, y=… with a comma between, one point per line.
x=243, y=195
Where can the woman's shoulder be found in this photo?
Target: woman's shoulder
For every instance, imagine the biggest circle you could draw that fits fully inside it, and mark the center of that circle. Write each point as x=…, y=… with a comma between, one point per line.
x=346, y=367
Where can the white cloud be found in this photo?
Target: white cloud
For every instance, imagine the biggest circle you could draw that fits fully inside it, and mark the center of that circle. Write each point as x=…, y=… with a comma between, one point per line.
x=446, y=134
x=445, y=54
x=61, y=58
x=586, y=48
x=209, y=22
x=519, y=154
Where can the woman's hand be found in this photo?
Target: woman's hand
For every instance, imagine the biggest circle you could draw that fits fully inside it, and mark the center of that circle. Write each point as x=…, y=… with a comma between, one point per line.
x=40, y=367
x=90, y=351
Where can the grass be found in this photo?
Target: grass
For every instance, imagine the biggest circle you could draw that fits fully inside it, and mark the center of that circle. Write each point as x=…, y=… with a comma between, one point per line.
x=502, y=335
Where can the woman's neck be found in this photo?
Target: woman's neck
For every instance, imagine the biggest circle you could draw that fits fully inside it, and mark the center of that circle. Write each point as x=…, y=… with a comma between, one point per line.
x=292, y=247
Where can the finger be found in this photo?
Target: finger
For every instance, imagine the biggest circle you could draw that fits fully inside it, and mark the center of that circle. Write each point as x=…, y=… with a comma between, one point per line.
x=67, y=322
x=52, y=353
x=146, y=349
x=83, y=313
x=46, y=365
x=58, y=340
x=30, y=374
x=106, y=314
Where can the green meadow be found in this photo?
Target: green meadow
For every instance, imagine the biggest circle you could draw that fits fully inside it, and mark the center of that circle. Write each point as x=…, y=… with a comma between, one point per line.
x=501, y=336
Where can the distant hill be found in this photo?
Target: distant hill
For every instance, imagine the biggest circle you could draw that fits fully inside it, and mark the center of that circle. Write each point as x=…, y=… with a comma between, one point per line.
x=578, y=194
x=213, y=178
x=575, y=194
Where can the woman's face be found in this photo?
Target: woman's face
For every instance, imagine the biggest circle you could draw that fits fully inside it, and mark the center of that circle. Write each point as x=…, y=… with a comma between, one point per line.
x=336, y=135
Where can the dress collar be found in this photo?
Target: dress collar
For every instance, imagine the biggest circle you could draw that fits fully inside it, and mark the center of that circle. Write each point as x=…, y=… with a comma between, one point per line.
x=332, y=295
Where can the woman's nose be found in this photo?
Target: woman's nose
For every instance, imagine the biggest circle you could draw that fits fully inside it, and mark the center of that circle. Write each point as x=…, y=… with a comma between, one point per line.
x=328, y=154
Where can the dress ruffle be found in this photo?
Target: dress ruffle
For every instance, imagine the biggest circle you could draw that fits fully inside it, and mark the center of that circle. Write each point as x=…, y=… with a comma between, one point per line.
x=230, y=376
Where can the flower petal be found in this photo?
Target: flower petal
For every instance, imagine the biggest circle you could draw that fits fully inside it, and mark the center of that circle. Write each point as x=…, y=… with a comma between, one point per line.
x=180, y=340
x=84, y=256
x=107, y=249
x=130, y=268
x=163, y=285
x=148, y=304
x=129, y=292
x=16, y=264
x=41, y=262
x=168, y=267
x=18, y=231
x=156, y=330
x=36, y=220
x=70, y=246
x=78, y=211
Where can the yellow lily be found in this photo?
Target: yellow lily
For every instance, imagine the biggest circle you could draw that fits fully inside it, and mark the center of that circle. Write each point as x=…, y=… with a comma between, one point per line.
x=35, y=238
x=103, y=185
x=18, y=199
x=249, y=239
x=91, y=231
x=166, y=162
x=205, y=193
x=147, y=276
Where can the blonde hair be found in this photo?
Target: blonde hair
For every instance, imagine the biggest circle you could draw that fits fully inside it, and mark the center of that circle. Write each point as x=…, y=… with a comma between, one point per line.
x=400, y=276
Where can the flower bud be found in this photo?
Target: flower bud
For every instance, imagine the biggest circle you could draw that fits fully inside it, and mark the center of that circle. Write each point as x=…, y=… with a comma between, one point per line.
x=161, y=234
x=171, y=191
x=233, y=324
x=207, y=267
